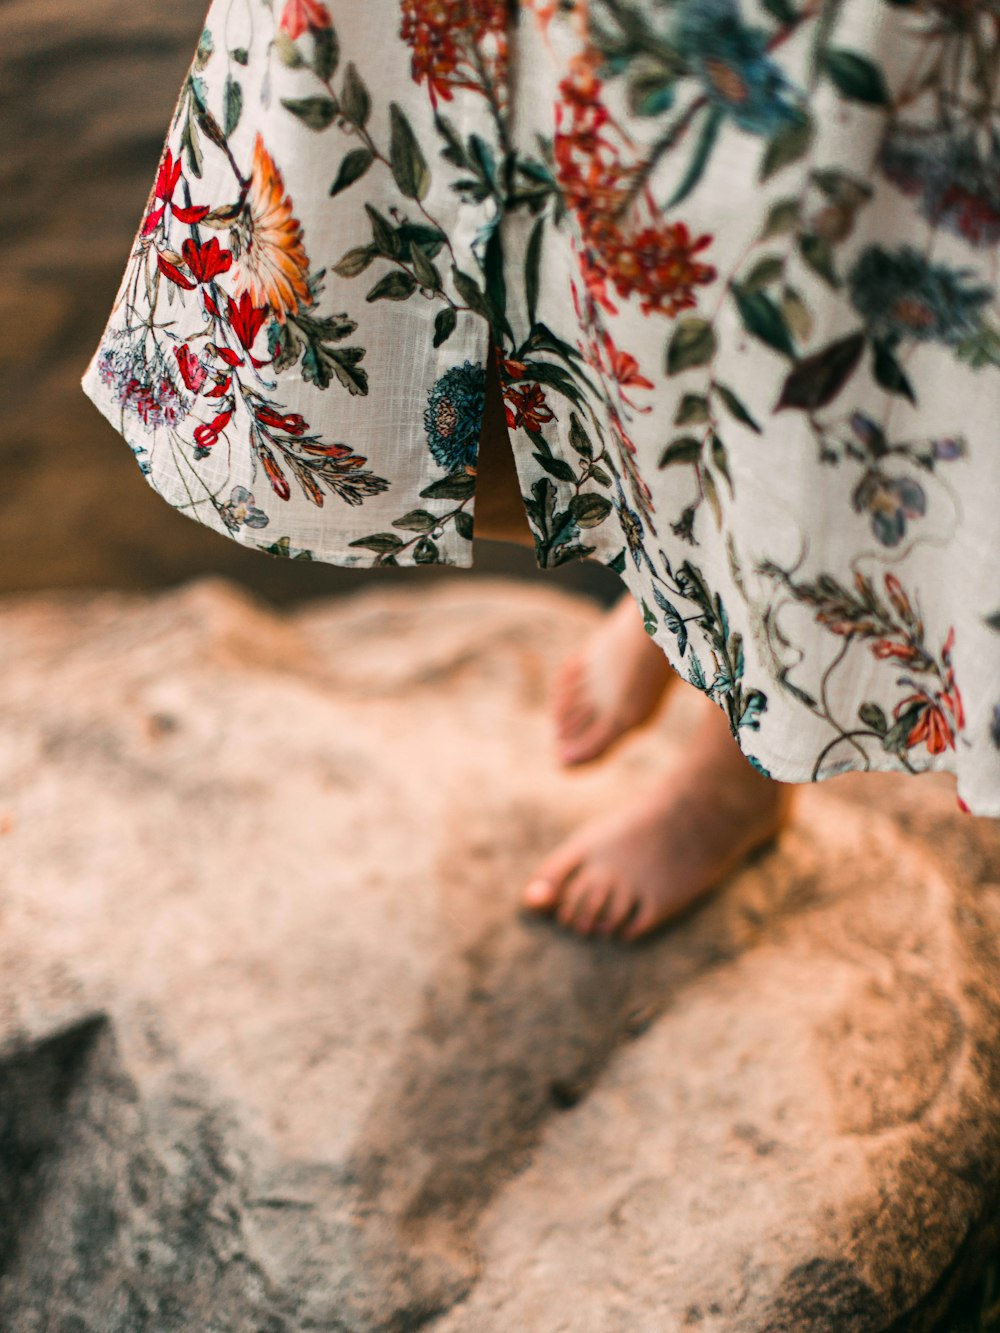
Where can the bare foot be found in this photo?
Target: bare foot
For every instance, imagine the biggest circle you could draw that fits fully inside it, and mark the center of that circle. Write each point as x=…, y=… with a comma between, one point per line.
x=613, y=684
x=636, y=867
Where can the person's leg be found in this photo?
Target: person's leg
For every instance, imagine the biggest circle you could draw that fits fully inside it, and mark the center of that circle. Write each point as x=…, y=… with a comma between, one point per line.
x=644, y=862
x=499, y=509
x=617, y=680
x=636, y=867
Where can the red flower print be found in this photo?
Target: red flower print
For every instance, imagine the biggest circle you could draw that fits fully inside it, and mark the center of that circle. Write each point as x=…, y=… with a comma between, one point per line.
x=246, y=319
x=624, y=367
x=192, y=371
x=221, y=388
x=902, y=652
x=298, y=15
x=658, y=265
x=327, y=450
x=207, y=434
x=512, y=370
x=456, y=44
x=167, y=177
x=206, y=261
x=278, y=480
x=153, y=220
x=951, y=696
x=294, y=423
x=898, y=597
x=528, y=408
x=197, y=213
x=657, y=262
x=172, y=272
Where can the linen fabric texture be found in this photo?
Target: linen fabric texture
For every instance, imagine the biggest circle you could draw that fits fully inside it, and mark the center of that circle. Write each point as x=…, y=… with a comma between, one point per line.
x=737, y=262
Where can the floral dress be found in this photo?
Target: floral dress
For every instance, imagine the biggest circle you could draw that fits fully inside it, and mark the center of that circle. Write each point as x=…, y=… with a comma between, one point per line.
x=737, y=263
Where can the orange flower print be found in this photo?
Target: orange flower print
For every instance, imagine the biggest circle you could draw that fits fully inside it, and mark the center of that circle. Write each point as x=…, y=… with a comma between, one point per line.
x=932, y=726
x=300, y=15
x=622, y=366
x=936, y=717
x=272, y=266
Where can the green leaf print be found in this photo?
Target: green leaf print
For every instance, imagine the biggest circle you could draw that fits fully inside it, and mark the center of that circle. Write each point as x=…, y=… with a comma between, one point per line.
x=233, y=102
x=326, y=52
x=736, y=407
x=693, y=344
x=818, y=378
x=394, y=286
x=356, y=261
x=818, y=254
x=789, y=145
x=888, y=372
x=352, y=168
x=532, y=262
x=685, y=449
x=316, y=112
x=409, y=166
x=417, y=520
x=699, y=160
x=384, y=234
x=445, y=323
x=379, y=541
x=589, y=509
x=763, y=319
x=856, y=77
x=782, y=218
x=673, y=620
x=768, y=269
x=426, y=552
x=456, y=486
x=355, y=100
x=692, y=410
x=873, y=716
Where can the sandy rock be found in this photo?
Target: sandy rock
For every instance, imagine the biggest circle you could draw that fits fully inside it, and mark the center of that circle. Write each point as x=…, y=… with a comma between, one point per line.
x=278, y=1052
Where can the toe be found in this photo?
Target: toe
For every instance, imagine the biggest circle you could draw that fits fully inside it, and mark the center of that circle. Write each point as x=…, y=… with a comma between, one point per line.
x=587, y=744
x=641, y=922
x=569, y=678
x=574, y=899
x=541, y=895
x=544, y=890
x=592, y=905
x=575, y=719
x=620, y=902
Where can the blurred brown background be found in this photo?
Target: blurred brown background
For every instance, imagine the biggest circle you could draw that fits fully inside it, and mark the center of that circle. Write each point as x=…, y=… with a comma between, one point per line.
x=86, y=91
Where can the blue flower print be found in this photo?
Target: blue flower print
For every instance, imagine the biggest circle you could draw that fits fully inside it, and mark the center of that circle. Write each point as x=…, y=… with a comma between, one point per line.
x=454, y=416
x=900, y=294
x=734, y=68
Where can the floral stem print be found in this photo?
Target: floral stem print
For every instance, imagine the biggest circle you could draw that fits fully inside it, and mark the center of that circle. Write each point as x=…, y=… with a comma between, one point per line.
x=219, y=383
x=736, y=263
x=928, y=712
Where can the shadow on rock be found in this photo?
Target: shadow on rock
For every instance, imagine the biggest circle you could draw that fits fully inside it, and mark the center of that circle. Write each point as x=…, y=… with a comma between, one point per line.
x=517, y=1027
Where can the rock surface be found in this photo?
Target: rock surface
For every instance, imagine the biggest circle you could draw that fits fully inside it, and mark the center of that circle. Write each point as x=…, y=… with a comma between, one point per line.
x=278, y=1053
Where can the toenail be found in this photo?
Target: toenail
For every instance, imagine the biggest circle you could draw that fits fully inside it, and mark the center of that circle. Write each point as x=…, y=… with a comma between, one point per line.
x=538, y=891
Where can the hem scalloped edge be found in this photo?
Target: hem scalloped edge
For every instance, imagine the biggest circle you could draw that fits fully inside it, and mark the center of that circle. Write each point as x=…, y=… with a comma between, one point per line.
x=782, y=769
x=341, y=556
x=778, y=767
